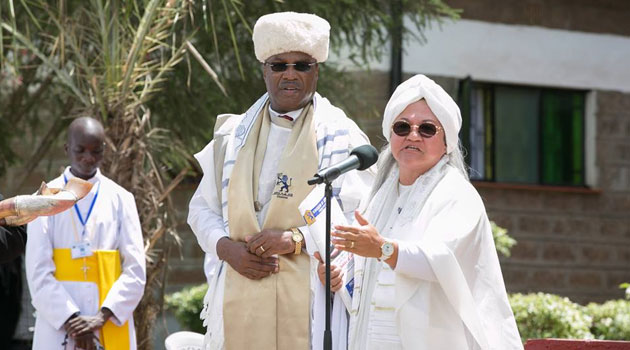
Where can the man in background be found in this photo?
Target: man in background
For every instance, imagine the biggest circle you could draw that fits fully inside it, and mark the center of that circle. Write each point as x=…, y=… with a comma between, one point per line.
x=85, y=267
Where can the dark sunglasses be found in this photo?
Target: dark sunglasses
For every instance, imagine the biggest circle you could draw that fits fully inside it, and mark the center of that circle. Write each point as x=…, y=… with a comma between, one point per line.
x=298, y=66
x=425, y=129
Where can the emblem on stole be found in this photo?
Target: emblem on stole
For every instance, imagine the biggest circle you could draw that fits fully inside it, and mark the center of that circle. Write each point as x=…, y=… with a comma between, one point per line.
x=285, y=182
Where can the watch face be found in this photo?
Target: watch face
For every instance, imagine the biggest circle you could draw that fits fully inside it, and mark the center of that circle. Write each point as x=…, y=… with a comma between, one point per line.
x=387, y=248
x=297, y=238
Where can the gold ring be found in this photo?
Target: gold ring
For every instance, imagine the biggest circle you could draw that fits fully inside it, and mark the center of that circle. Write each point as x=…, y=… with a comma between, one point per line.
x=261, y=248
x=351, y=244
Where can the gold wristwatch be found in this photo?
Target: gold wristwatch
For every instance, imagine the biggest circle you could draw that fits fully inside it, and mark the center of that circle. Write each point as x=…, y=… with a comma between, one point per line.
x=297, y=238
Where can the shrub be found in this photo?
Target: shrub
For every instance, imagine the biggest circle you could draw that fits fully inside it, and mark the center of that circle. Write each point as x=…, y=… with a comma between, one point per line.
x=502, y=240
x=537, y=315
x=543, y=315
x=611, y=320
x=187, y=305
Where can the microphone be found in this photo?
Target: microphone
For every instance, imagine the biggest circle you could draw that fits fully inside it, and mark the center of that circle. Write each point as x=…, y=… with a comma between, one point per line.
x=360, y=158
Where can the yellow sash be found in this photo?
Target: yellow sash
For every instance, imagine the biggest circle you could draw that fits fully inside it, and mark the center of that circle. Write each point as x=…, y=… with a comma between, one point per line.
x=274, y=312
x=103, y=268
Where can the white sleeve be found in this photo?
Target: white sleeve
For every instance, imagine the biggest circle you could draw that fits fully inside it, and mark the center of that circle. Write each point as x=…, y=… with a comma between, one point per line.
x=128, y=289
x=205, y=216
x=457, y=236
x=205, y=223
x=309, y=243
x=412, y=262
x=49, y=297
x=209, y=267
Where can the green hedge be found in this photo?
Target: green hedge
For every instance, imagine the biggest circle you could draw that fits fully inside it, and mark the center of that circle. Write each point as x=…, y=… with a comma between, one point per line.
x=537, y=315
x=186, y=305
x=543, y=315
x=611, y=320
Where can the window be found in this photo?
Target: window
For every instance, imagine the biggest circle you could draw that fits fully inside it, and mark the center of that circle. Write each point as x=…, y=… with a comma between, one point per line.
x=525, y=135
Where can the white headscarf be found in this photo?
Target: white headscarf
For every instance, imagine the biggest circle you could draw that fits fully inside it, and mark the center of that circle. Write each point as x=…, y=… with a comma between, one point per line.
x=442, y=105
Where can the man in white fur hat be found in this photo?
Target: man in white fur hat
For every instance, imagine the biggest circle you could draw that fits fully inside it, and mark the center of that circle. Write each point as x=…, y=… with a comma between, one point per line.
x=244, y=212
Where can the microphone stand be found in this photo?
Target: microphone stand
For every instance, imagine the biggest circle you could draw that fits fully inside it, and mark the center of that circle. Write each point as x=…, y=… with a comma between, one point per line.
x=317, y=179
x=360, y=158
x=327, y=331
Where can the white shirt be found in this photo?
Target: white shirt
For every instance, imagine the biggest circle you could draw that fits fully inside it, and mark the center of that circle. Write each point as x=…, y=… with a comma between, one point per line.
x=112, y=225
x=382, y=330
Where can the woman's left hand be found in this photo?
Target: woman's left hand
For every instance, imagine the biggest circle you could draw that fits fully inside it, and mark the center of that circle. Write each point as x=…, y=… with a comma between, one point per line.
x=363, y=240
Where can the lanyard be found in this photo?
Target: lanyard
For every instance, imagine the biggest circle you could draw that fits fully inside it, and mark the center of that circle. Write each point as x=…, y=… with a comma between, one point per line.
x=76, y=207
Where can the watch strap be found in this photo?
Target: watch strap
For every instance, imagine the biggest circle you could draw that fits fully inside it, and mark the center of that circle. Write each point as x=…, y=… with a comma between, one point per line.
x=298, y=243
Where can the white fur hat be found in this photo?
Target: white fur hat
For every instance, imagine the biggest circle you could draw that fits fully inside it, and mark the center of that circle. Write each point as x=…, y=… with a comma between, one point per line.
x=282, y=32
x=440, y=102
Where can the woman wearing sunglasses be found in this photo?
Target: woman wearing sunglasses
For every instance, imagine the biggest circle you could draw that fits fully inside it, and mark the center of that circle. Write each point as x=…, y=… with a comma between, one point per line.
x=427, y=275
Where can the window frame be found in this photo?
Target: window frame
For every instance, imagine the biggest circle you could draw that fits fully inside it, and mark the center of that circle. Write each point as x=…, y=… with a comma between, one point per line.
x=465, y=96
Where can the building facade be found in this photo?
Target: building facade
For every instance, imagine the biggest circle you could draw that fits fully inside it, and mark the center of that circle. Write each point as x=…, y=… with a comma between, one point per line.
x=544, y=89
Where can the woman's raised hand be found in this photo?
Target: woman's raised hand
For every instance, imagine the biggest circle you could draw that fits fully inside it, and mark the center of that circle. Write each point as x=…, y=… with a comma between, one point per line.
x=363, y=240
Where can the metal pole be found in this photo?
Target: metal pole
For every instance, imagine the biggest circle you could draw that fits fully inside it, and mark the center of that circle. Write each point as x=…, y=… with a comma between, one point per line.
x=327, y=332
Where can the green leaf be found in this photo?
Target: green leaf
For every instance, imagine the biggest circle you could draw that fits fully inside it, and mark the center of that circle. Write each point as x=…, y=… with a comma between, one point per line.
x=543, y=315
x=187, y=305
x=143, y=28
x=502, y=240
x=63, y=76
x=233, y=36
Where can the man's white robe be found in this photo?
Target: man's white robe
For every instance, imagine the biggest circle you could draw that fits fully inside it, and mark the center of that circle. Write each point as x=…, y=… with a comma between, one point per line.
x=113, y=225
x=206, y=219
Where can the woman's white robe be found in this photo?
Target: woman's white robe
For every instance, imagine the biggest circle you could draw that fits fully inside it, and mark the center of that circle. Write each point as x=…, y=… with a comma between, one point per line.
x=467, y=306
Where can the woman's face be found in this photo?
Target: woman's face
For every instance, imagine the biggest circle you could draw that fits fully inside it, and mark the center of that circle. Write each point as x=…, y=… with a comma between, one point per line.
x=415, y=153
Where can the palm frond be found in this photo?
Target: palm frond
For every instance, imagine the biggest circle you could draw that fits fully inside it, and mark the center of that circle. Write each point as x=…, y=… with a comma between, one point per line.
x=143, y=28
x=205, y=66
x=63, y=76
x=233, y=37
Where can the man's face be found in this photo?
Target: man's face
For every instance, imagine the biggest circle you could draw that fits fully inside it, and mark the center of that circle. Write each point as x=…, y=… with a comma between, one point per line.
x=85, y=151
x=290, y=89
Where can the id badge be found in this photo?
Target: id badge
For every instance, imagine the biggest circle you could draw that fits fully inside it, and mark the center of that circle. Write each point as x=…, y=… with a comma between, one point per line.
x=81, y=250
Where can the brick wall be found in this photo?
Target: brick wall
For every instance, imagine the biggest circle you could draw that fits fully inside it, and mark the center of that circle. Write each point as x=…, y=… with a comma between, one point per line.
x=569, y=243
x=574, y=244
x=594, y=16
